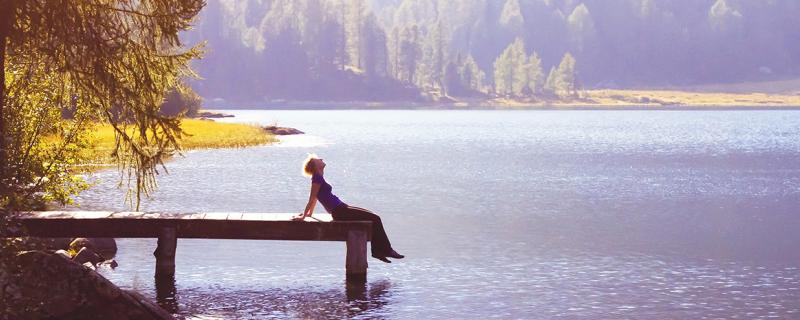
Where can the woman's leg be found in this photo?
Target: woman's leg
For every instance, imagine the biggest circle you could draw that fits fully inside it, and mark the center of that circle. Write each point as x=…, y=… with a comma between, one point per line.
x=380, y=242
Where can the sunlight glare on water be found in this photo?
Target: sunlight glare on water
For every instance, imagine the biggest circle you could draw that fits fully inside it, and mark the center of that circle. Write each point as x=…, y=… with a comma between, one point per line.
x=505, y=214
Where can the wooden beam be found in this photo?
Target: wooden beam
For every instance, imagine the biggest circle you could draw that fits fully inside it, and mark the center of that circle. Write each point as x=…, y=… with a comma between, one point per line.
x=187, y=225
x=165, y=252
x=356, y=261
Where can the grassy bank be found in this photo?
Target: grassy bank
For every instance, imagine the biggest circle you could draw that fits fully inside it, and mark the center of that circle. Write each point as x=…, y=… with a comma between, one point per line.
x=784, y=94
x=691, y=98
x=609, y=99
x=200, y=134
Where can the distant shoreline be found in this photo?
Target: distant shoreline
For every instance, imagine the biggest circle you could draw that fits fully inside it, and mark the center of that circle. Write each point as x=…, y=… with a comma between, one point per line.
x=603, y=99
x=356, y=106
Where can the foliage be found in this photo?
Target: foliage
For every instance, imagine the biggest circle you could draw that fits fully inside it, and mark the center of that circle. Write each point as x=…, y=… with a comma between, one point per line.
x=516, y=74
x=563, y=80
x=534, y=74
x=338, y=50
x=109, y=61
x=463, y=77
x=581, y=26
x=181, y=101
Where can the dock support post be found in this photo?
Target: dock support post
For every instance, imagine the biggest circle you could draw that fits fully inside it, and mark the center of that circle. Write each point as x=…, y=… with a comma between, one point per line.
x=356, y=264
x=165, y=252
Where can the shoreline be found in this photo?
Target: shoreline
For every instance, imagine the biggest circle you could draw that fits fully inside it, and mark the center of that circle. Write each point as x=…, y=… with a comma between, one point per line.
x=565, y=107
x=607, y=100
x=595, y=99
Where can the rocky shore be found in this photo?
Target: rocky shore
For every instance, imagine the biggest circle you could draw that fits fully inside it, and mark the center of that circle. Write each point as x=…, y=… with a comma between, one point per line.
x=45, y=285
x=281, y=131
x=209, y=115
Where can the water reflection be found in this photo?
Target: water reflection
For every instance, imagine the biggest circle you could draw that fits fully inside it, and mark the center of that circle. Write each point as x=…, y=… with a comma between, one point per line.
x=358, y=299
x=166, y=293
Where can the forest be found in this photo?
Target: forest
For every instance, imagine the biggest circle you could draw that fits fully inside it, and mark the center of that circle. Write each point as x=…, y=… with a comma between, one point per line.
x=258, y=51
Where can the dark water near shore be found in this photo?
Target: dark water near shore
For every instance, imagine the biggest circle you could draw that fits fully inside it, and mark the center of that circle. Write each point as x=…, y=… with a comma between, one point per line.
x=502, y=214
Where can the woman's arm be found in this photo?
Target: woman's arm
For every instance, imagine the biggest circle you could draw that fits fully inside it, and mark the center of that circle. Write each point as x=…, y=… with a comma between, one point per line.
x=312, y=202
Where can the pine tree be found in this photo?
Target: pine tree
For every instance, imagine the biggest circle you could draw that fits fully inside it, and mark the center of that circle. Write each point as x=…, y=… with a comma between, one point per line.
x=471, y=75
x=551, y=85
x=374, y=56
x=109, y=61
x=453, y=85
x=566, y=76
x=509, y=70
x=409, y=54
x=534, y=74
x=353, y=21
x=581, y=26
x=511, y=15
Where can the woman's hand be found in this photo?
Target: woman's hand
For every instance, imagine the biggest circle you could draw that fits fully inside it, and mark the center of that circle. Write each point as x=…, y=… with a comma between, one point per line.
x=299, y=217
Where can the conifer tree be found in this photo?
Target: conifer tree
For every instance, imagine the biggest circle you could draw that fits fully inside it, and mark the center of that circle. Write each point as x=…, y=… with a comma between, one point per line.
x=109, y=61
x=509, y=70
x=534, y=75
x=566, y=76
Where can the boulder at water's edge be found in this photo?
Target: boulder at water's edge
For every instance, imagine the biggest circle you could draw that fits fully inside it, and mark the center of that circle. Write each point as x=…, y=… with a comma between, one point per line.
x=41, y=285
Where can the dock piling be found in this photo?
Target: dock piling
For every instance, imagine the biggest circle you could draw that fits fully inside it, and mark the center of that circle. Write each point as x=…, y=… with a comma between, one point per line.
x=165, y=252
x=356, y=264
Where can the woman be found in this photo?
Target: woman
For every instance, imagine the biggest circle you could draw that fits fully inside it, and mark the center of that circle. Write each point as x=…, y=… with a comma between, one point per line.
x=314, y=167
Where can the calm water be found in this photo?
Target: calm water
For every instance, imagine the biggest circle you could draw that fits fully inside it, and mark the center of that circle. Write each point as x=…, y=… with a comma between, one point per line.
x=502, y=214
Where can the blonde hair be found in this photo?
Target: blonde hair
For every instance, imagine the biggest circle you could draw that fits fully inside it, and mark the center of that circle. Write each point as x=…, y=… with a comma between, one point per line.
x=308, y=165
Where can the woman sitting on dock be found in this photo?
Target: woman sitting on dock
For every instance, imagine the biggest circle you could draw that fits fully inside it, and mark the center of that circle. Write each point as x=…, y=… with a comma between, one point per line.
x=314, y=167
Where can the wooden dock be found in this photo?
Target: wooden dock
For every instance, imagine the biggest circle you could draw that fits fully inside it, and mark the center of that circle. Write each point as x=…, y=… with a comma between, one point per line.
x=168, y=227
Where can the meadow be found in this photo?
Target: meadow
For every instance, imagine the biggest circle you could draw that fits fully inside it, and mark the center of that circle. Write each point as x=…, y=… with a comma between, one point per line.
x=199, y=134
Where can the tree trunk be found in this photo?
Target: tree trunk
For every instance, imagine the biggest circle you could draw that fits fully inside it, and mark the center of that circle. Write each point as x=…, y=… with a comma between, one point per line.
x=6, y=21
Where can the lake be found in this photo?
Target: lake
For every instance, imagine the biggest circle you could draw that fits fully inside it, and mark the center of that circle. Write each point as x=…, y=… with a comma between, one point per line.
x=501, y=214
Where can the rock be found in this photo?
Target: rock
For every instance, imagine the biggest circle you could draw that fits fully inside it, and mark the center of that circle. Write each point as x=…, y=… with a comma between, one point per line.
x=41, y=285
x=86, y=255
x=208, y=114
x=59, y=243
x=105, y=247
x=281, y=131
x=36, y=243
x=64, y=254
x=79, y=243
x=111, y=263
x=89, y=265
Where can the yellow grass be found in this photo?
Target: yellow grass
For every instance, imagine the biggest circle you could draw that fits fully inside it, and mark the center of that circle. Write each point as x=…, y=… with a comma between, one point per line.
x=688, y=98
x=200, y=134
x=209, y=134
x=605, y=98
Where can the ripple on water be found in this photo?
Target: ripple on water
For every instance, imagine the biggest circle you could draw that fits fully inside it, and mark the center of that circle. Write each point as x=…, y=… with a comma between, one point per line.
x=652, y=215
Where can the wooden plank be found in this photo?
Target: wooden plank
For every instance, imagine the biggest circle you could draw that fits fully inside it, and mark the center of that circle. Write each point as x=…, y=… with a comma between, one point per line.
x=194, y=215
x=151, y=215
x=91, y=214
x=165, y=215
x=266, y=226
x=126, y=215
x=216, y=216
x=234, y=216
x=187, y=215
x=51, y=215
x=251, y=216
x=272, y=217
x=322, y=217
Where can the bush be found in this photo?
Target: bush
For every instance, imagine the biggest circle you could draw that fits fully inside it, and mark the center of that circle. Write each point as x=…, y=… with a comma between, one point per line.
x=181, y=102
